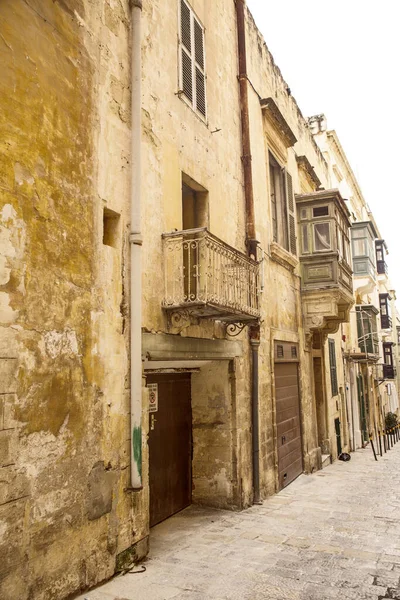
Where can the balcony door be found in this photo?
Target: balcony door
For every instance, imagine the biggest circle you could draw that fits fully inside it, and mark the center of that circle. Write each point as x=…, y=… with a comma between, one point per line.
x=194, y=216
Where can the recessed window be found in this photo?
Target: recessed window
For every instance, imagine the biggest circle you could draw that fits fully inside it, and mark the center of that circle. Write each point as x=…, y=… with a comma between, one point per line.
x=110, y=228
x=282, y=206
x=279, y=351
x=332, y=365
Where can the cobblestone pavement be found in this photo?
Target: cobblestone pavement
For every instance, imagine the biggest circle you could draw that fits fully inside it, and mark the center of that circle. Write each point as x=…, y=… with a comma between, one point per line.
x=333, y=534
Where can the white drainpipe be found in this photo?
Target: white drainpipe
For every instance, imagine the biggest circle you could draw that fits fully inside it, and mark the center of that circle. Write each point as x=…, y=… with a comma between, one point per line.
x=135, y=240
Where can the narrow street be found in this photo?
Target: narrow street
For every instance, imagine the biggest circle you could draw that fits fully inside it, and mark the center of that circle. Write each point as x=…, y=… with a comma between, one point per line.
x=334, y=534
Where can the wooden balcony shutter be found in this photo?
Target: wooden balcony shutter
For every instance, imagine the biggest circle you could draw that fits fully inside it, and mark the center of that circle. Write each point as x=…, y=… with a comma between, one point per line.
x=332, y=364
x=291, y=214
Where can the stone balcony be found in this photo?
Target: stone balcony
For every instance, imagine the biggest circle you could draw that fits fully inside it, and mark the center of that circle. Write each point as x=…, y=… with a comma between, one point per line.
x=207, y=278
x=326, y=275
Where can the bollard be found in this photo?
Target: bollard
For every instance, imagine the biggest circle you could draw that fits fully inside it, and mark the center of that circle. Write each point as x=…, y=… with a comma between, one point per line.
x=388, y=439
x=372, y=446
x=380, y=443
x=384, y=440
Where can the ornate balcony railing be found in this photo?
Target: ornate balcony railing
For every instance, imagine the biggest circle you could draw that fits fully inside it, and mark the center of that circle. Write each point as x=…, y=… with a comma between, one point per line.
x=209, y=278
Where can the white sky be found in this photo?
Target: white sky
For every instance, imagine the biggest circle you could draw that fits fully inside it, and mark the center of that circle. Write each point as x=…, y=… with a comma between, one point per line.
x=342, y=58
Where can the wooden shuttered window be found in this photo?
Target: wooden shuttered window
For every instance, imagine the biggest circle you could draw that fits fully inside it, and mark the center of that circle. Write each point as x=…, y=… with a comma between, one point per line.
x=333, y=369
x=192, y=57
x=291, y=217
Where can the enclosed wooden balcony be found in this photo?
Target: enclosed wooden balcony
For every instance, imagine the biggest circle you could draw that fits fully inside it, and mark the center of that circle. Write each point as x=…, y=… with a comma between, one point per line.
x=326, y=275
x=207, y=278
x=385, y=372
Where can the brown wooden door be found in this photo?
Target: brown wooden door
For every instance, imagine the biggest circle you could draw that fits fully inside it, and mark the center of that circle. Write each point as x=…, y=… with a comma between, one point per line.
x=290, y=461
x=170, y=447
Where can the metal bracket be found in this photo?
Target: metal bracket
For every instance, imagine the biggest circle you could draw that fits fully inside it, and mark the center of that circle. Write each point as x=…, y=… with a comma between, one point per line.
x=233, y=329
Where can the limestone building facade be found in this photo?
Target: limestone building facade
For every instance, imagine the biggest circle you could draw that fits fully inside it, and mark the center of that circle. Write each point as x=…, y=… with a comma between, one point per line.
x=176, y=279
x=370, y=339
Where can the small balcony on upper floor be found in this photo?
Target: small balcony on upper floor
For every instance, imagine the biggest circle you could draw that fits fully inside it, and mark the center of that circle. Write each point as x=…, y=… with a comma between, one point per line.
x=326, y=275
x=385, y=372
x=381, y=251
x=367, y=330
x=207, y=278
x=385, y=308
x=363, y=234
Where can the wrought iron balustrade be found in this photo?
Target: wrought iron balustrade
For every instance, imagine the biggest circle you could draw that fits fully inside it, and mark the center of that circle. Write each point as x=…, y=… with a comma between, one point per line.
x=209, y=277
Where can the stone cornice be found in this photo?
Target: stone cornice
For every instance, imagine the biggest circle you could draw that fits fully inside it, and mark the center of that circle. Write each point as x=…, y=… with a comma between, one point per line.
x=275, y=116
x=322, y=195
x=308, y=169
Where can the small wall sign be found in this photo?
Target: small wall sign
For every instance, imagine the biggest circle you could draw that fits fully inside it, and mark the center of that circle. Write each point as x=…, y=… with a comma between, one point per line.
x=153, y=397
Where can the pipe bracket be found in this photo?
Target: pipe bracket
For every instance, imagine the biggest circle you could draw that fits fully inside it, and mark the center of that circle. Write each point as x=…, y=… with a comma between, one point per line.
x=136, y=238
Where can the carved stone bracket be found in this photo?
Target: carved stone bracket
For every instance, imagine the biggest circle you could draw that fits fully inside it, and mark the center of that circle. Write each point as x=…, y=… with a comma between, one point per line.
x=325, y=311
x=180, y=319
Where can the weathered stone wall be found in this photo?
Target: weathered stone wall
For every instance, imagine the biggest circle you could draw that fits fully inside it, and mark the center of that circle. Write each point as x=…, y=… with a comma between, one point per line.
x=176, y=141
x=64, y=426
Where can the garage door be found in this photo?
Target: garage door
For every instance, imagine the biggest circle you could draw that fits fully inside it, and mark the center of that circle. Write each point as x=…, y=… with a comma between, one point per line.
x=290, y=461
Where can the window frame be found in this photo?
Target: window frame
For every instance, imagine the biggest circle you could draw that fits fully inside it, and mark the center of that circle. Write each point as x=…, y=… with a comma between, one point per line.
x=283, y=220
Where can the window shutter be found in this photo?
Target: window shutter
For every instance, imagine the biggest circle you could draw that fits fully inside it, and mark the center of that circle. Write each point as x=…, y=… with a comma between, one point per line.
x=290, y=213
x=186, y=51
x=332, y=363
x=186, y=29
x=199, y=68
x=187, y=83
x=199, y=44
x=192, y=50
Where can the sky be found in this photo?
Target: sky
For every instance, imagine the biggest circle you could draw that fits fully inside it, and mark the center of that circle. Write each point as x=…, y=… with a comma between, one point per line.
x=342, y=58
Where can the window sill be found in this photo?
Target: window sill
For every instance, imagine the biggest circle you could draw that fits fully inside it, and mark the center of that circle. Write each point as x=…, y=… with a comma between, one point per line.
x=283, y=257
x=189, y=104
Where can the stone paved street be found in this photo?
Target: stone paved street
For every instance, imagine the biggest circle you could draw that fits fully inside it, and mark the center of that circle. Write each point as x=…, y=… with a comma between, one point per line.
x=334, y=534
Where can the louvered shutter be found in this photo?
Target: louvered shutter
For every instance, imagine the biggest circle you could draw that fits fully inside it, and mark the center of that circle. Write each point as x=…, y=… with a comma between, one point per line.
x=199, y=68
x=193, y=79
x=291, y=214
x=332, y=364
x=186, y=51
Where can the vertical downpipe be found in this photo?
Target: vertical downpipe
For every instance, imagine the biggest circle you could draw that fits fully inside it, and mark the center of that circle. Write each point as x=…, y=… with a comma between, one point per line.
x=251, y=241
x=135, y=239
x=255, y=344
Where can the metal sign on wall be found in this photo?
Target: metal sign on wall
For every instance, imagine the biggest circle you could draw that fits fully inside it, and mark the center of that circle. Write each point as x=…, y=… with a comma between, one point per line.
x=153, y=397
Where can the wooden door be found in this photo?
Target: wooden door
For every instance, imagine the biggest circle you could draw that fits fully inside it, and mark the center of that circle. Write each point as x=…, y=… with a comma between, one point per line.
x=170, y=447
x=290, y=460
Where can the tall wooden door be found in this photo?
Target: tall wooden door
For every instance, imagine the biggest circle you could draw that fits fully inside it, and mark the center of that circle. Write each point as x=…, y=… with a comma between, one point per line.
x=170, y=446
x=290, y=460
